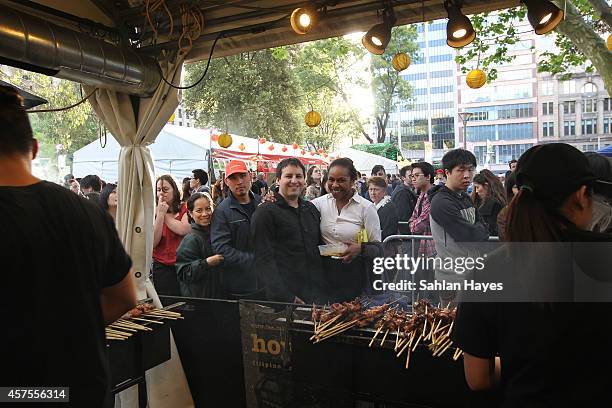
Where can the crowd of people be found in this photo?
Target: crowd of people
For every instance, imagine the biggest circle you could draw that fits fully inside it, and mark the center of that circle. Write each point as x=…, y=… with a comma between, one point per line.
x=242, y=238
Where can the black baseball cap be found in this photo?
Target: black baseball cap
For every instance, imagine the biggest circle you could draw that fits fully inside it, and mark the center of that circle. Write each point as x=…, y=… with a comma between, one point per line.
x=553, y=171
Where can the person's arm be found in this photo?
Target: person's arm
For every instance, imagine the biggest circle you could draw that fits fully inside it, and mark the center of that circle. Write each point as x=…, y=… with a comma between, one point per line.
x=180, y=227
x=262, y=239
x=481, y=373
x=117, y=299
x=447, y=213
x=419, y=223
x=158, y=225
x=372, y=223
x=191, y=264
x=221, y=239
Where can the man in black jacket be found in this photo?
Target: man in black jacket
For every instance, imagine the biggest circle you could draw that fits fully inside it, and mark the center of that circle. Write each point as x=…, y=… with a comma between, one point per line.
x=404, y=199
x=230, y=228
x=285, y=235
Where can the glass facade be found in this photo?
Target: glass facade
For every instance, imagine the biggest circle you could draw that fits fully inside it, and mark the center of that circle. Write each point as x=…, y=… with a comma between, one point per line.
x=514, y=111
x=509, y=131
x=502, y=154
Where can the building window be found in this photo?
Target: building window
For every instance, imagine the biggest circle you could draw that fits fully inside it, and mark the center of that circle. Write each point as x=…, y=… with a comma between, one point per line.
x=569, y=87
x=589, y=106
x=514, y=131
x=548, y=129
x=569, y=128
x=589, y=126
x=441, y=89
x=442, y=74
x=607, y=104
x=606, y=125
x=415, y=77
x=547, y=88
x=180, y=113
x=569, y=107
x=441, y=58
x=502, y=154
x=437, y=43
x=547, y=108
x=589, y=88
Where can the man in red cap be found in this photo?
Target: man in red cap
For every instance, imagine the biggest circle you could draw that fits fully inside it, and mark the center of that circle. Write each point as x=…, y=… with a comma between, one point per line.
x=230, y=228
x=440, y=180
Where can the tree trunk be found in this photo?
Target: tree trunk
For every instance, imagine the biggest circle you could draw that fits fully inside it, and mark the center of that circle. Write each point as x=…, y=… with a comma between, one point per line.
x=604, y=11
x=381, y=133
x=587, y=41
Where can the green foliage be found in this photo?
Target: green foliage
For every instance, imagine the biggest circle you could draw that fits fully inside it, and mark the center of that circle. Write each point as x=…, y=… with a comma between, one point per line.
x=388, y=150
x=73, y=128
x=389, y=88
x=250, y=94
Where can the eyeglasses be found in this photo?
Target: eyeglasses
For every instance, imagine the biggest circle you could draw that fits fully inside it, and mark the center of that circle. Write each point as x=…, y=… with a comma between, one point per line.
x=416, y=175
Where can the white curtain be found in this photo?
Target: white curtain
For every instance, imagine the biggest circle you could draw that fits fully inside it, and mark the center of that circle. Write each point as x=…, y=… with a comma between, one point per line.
x=166, y=384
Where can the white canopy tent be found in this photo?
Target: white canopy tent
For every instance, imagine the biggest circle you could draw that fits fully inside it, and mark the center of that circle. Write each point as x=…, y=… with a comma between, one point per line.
x=176, y=151
x=365, y=161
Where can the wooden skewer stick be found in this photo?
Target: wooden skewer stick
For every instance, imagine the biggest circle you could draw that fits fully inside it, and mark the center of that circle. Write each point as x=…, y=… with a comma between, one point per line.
x=402, y=343
x=333, y=334
x=441, y=346
x=160, y=316
x=375, y=334
x=405, y=346
x=323, y=326
x=408, y=358
x=417, y=342
x=147, y=320
x=336, y=328
x=118, y=332
x=445, y=348
x=384, y=338
x=135, y=325
x=118, y=326
x=109, y=337
x=458, y=354
x=397, y=339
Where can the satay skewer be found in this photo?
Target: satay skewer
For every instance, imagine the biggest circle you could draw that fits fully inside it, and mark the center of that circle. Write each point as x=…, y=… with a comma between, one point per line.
x=384, y=338
x=147, y=320
x=375, y=334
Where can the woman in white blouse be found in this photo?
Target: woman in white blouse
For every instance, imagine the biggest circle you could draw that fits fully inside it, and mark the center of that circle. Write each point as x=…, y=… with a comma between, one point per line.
x=343, y=214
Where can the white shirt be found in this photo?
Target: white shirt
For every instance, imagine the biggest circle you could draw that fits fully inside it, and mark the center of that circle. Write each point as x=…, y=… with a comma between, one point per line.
x=342, y=228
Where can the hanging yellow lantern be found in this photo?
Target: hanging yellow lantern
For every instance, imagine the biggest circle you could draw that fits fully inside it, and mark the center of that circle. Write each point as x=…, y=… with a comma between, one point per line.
x=225, y=140
x=609, y=42
x=476, y=78
x=313, y=119
x=400, y=61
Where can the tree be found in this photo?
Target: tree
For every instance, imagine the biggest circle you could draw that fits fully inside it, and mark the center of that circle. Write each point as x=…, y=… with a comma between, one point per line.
x=578, y=40
x=251, y=94
x=73, y=128
x=326, y=70
x=390, y=89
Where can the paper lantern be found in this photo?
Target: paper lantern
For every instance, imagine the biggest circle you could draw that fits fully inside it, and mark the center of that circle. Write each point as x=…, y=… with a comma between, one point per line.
x=302, y=152
x=241, y=147
x=262, y=140
x=295, y=146
x=400, y=61
x=609, y=42
x=320, y=151
x=225, y=140
x=271, y=147
x=476, y=78
x=214, y=137
x=284, y=149
x=312, y=119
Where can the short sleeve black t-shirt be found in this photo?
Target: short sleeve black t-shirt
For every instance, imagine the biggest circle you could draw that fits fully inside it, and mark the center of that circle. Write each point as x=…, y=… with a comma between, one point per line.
x=249, y=208
x=58, y=251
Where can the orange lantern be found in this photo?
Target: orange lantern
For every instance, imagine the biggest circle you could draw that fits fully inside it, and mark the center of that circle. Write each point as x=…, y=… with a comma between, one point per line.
x=262, y=140
x=225, y=140
x=302, y=152
x=242, y=147
x=214, y=138
x=295, y=146
x=284, y=149
x=321, y=151
x=271, y=147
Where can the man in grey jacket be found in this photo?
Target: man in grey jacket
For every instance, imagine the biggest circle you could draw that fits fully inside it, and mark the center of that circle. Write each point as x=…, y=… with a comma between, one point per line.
x=455, y=223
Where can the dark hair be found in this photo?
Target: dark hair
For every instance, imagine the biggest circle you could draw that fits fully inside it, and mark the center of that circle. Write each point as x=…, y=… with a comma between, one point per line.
x=324, y=183
x=358, y=174
x=309, y=175
x=15, y=130
x=176, y=198
x=512, y=161
x=291, y=161
x=186, y=193
x=378, y=168
x=105, y=193
x=493, y=184
x=601, y=167
x=91, y=181
x=195, y=197
x=347, y=164
x=426, y=168
x=201, y=175
x=458, y=157
x=510, y=182
x=378, y=181
x=404, y=170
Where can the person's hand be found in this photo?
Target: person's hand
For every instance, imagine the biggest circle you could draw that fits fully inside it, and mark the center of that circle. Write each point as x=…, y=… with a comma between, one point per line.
x=162, y=208
x=298, y=301
x=353, y=250
x=214, y=260
x=268, y=198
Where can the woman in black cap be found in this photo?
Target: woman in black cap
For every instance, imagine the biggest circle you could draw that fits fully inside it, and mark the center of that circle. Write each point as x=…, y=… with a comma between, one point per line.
x=545, y=354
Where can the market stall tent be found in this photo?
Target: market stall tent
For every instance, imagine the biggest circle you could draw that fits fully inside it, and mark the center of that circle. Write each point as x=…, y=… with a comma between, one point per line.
x=176, y=151
x=365, y=161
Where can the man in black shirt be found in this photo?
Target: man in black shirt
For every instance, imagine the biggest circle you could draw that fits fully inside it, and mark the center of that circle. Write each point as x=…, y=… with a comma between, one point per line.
x=65, y=273
x=230, y=228
x=285, y=235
